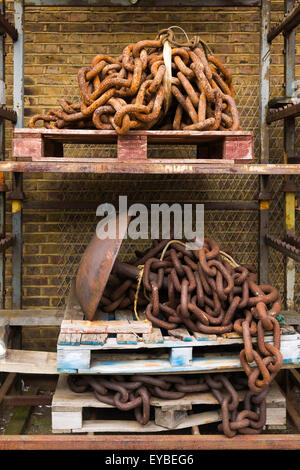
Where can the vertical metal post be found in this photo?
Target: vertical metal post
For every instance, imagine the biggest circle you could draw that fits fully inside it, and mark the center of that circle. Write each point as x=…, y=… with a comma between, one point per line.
x=264, y=91
x=289, y=148
x=18, y=95
x=2, y=157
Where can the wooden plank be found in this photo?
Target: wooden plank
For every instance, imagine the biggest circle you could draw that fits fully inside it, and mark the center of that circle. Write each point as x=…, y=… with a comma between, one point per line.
x=204, y=337
x=181, y=333
x=74, y=359
x=29, y=362
x=96, y=339
x=125, y=338
x=110, y=136
x=73, y=321
x=33, y=317
x=111, y=326
x=181, y=356
x=169, y=419
x=132, y=147
x=4, y=328
x=155, y=337
x=73, y=310
x=117, y=364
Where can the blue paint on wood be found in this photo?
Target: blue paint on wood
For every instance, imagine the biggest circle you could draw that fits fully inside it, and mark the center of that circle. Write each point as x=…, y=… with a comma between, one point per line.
x=67, y=371
x=93, y=343
x=127, y=342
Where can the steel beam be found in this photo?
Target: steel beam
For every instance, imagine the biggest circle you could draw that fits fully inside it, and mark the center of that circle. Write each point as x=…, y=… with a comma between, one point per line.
x=7, y=27
x=264, y=91
x=18, y=96
x=289, y=151
x=144, y=3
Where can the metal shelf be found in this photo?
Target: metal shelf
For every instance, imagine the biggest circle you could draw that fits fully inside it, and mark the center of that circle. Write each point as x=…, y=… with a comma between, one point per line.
x=288, y=111
x=289, y=22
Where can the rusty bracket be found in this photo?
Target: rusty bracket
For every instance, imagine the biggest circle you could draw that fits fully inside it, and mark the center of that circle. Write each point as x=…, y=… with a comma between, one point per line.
x=286, y=248
x=7, y=27
x=289, y=110
x=293, y=240
x=16, y=195
x=6, y=242
x=289, y=186
x=9, y=114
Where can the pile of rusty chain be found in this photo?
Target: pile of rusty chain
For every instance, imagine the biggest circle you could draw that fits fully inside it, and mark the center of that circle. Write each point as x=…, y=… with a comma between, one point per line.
x=130, y=92
x=206, y=291
x=134, y=393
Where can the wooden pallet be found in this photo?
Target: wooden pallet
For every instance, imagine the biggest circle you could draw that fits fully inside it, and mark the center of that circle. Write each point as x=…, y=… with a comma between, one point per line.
x=67, y=412
x=46, y=145
x=120, y=344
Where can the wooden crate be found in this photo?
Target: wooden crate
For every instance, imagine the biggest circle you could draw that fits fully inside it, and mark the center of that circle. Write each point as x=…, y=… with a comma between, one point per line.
x=67, y=412
x=212, y=146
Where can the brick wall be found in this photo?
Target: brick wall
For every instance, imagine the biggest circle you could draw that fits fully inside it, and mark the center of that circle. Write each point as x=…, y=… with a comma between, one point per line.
x=60, y=40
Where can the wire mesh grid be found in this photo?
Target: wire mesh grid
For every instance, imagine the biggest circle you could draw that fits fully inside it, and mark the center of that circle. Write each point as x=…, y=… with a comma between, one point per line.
x=237, y=231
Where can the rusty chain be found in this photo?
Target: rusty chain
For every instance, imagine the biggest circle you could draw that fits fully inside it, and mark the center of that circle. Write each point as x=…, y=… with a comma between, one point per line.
x=127, y=92
x=207, y=293
x=135, y=392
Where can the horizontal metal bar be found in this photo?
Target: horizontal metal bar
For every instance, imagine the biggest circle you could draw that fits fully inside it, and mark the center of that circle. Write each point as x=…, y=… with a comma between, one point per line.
x=146, y=167
x=7, y=27
x=288, y=23
x=20, y=400
x=292, y=240
x=291, y=110
x=283, y=247
x=155, y=442
x=9, y=114
x=89, y=205
x=145, y=3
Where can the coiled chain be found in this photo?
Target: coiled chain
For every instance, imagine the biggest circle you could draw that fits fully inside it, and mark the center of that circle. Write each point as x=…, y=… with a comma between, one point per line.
x=129, y=92
x=207, y=292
